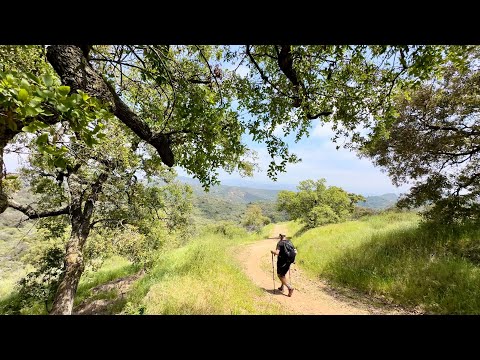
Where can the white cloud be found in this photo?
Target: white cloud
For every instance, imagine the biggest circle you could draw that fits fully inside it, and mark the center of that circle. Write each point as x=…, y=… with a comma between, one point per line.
x=322, y=130
x=242, y=71
x=279, y=130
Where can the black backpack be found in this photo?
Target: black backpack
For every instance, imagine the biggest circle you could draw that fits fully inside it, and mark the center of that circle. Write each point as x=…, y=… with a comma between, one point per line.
x=290, y=251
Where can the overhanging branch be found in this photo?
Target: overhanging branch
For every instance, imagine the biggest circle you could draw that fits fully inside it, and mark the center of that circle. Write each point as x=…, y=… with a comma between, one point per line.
x=75, y=71
x=34, y=214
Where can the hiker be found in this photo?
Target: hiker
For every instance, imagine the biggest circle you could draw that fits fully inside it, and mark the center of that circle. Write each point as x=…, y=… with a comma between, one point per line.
x=284, y=261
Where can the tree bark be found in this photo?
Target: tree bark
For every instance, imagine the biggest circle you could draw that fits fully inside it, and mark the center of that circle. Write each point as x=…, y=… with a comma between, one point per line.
x=73, y=68
x=3, y=195
x=74, y=264
x=31, y=213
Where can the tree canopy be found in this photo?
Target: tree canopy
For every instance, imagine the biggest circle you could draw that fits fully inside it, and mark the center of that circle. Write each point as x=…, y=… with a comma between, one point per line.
x=434, y=141
x=187, y=101
x=315, y=204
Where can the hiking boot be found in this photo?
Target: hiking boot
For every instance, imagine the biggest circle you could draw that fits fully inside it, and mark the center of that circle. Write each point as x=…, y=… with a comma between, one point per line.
x=290, y=292
x=280, y=288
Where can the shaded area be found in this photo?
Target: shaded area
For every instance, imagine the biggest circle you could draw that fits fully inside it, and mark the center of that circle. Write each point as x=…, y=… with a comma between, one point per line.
x=108, y=298
x=273, y=292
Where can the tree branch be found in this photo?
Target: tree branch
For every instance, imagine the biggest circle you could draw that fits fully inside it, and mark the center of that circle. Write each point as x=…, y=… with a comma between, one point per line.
x=33, y=214
x=452, y=128
x=105, y=220
x=211, y=72
x=74, y=70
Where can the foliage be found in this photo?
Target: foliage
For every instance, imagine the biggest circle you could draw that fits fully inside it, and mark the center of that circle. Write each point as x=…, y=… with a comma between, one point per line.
x=32, y=104
x=182, y=96
x=40, y=285
x=315, y=204
x=270, y=210
x=133, y=218
x=360, y=212
x=254, y=219
x=434, y=141
x=226, y=229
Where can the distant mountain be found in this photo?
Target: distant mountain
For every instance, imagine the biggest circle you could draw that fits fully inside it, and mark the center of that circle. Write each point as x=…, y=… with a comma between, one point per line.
x=379, y=202
x=244, y=183
x=237, y=194
x=253, y=192
x=224, y=202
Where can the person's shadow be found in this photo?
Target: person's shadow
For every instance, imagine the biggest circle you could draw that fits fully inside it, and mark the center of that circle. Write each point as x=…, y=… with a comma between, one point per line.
x=273, y=292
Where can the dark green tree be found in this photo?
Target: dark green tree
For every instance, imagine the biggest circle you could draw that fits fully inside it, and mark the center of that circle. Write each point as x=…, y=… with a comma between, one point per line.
x=434, y=142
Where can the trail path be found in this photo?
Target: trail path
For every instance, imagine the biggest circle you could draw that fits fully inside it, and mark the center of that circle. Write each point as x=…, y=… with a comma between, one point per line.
x=310, y=297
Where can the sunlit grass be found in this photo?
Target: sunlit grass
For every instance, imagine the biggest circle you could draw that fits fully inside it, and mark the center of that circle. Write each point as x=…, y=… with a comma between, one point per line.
x=201, y=278
x=433, y=268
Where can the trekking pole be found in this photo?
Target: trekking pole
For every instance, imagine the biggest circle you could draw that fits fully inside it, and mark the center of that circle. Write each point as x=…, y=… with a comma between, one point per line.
x=290, y=274
x=273, y=275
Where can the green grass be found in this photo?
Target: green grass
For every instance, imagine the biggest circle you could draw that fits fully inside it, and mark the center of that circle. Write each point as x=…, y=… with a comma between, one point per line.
x=113, y=268
x=201, y=278
x=12, y=248
x=434, y=268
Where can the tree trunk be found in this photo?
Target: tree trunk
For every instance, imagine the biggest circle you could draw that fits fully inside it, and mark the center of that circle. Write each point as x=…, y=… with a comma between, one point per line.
x=6, y=135
x=3, y=196
x=74, y=265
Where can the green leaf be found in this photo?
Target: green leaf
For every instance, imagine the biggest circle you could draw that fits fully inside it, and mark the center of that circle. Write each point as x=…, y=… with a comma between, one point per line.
x=12, y=125
x=42, y=139
x=85, y=96
x=41, y=125
x=33, y=77
x=29, y=128
x=22, y=95
x=60, y=162
x=88, y=140
x=10, y=79
x=64, y=90
x=47, y=79
x=62, y=108
x=25, y=84
x=30, y=111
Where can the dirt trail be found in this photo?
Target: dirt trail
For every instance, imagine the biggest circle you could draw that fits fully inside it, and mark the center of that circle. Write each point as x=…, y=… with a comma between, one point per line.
x=310, y=297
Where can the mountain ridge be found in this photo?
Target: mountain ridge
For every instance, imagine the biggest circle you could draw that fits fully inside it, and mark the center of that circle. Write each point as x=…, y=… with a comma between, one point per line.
x=247, y=194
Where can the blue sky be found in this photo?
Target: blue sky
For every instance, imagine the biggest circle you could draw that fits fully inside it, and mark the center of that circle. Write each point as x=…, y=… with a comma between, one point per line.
x=320, y=159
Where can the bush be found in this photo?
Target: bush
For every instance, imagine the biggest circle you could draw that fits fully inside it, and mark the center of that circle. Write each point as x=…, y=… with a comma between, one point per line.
x=39, y=286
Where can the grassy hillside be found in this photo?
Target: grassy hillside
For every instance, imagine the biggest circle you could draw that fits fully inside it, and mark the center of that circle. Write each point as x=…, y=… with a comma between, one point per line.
x=434, y=268
x=201, y=278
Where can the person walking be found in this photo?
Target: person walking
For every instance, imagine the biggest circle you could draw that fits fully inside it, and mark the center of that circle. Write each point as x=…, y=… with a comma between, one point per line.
x=284, y=260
